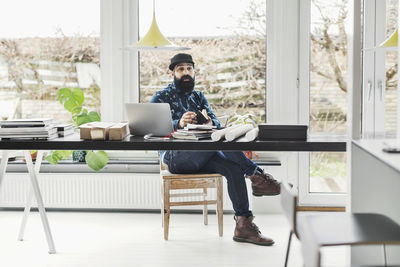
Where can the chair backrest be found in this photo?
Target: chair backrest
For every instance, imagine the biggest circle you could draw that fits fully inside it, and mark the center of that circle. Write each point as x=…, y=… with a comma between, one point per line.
x=289, y=204
x=163, y=166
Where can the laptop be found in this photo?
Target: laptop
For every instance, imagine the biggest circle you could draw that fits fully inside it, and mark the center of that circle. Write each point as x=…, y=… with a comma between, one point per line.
x=149, y=119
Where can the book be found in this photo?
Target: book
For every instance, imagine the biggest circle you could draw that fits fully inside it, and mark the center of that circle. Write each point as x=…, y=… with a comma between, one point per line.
x=199, y=127
x=192, y=134
x=26, y=122
x=39, y=128
x=195, y=131
x=64, y=129
x=95, y=130
x=11, y=130
x=66, y=132
x=28, y=128
x=51, y=134
x=202, y=116
x=118, y=131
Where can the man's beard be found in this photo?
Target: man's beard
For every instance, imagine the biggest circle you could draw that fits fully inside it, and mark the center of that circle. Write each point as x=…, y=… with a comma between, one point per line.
x=185, y=84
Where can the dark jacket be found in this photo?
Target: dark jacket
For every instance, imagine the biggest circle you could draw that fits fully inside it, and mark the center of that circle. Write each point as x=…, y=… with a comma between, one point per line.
x=180, y=103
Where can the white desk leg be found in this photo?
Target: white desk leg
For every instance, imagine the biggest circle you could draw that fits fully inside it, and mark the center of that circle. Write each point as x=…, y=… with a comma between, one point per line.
x=29, y=200
x=3, y=165
x=39, y=201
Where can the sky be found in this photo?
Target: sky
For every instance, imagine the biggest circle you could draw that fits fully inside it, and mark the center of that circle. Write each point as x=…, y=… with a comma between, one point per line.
x=42, y=18
x=193, y=18
x=175, y=18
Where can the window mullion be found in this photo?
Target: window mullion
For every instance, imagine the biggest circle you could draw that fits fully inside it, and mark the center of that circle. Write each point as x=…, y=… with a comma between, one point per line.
x=368, y=122
x=380, y=71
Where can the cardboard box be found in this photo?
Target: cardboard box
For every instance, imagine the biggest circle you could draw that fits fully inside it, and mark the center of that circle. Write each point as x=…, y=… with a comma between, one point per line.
x=95, y=130
x=119, y=131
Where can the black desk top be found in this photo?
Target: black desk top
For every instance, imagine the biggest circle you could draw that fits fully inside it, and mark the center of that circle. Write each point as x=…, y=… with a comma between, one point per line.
x=138, y=143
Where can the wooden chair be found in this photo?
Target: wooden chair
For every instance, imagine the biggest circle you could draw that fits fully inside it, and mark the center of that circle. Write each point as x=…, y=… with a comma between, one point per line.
x=335, y=229
x=189, y=181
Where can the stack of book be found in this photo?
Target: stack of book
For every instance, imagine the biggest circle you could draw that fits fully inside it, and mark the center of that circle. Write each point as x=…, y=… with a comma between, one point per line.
x=28, y=129
x=64, y=129
x=194, y=132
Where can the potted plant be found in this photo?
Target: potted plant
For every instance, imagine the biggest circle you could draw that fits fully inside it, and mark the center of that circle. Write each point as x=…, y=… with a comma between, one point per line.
x=73, y=99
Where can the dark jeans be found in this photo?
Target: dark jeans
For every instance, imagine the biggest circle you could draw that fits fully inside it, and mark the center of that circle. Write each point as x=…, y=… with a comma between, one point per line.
x=232, y=165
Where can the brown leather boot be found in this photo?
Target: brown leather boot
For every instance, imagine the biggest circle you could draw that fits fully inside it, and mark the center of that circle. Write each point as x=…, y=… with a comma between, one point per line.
x=247, y=231
x=264, y=184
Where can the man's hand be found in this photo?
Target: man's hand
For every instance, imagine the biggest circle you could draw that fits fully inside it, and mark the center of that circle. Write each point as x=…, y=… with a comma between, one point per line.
x=188, y=117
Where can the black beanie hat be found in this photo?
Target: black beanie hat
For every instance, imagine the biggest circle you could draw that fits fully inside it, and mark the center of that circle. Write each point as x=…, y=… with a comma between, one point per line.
x=180, y=58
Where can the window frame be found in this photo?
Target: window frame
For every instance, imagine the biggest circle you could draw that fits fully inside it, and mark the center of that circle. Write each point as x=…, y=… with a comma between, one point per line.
x=120, y=68
x=307, y=198
x=374, y=74
x=287, y=79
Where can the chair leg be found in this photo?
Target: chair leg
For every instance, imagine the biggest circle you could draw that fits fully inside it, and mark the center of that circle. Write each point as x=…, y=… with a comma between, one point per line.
x=166, y=209
x=220, y=207
x=205, y=208
x=162, y=204
x=288, y=247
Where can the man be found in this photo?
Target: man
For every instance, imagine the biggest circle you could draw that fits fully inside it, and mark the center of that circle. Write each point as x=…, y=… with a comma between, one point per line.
x=184, y=101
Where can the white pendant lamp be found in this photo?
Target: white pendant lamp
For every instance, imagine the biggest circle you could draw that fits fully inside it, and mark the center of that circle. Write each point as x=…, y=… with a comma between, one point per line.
x=154, y=39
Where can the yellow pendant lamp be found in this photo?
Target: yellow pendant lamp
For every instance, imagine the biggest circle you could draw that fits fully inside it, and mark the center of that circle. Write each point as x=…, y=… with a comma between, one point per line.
x=389, y=44
x=392, y=41
x=154, y=39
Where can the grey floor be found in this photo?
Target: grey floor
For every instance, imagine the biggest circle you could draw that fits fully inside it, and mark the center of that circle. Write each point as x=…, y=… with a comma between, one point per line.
x=135, y=239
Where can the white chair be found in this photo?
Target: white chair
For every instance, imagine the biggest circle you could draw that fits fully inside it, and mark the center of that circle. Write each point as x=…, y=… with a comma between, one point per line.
x=335, y=229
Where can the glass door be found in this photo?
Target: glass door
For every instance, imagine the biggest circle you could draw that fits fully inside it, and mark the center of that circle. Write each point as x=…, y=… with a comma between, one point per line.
x=323, y=85
x=324, y=47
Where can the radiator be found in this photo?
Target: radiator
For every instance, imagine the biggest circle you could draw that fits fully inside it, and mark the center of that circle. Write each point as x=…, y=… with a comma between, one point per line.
x=92, y=191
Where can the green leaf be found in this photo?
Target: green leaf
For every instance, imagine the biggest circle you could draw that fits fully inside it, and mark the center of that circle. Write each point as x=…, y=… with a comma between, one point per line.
x=63, y=94
x=71, y=98
x=58, y=155
x=94, y=116
x=51, y=160
x=82, y=119
x=76, y=110
x=77, y=94
x=65, y=153
x=96, y=160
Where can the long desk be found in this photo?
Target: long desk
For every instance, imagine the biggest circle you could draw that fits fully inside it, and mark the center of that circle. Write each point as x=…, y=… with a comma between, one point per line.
x=374, y=187
x=138, y=143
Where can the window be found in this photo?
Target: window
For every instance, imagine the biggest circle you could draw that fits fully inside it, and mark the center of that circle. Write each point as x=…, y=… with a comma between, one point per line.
x=227, y=45
x=379, y=117
x=51, y=44
x=328, y=91
x=324, y=40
